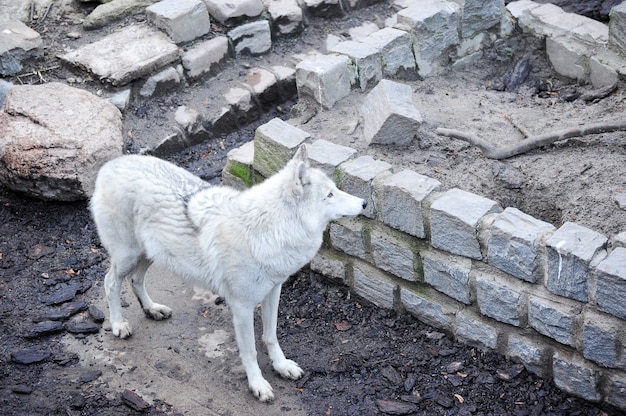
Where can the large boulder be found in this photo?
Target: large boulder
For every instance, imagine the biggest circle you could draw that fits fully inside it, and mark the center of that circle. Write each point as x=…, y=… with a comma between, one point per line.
x=54, y=138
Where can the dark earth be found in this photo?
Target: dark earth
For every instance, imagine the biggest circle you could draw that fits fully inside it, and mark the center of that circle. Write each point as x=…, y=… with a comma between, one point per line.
x=359, y=360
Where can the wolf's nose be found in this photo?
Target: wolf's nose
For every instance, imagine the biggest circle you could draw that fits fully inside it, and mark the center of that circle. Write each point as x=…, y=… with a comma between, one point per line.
x=364, y=204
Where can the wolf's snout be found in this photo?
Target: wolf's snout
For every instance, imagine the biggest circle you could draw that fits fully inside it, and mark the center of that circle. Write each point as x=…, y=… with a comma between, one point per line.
x=364, y=204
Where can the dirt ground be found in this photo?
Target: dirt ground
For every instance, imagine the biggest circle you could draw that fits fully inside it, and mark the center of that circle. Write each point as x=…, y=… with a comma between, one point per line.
x=358, y=359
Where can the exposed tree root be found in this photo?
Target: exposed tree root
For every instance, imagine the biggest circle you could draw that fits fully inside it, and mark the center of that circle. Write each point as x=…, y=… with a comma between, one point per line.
x=531, y=142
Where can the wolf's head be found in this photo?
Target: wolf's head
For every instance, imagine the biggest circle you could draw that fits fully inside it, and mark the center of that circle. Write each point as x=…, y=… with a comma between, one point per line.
x=317, y=194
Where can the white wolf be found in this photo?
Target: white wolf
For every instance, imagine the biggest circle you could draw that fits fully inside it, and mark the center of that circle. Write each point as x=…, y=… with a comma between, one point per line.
x=240, y=244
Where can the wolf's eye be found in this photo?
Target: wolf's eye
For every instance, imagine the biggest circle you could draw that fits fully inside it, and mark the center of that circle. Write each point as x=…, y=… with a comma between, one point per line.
x=330, y=195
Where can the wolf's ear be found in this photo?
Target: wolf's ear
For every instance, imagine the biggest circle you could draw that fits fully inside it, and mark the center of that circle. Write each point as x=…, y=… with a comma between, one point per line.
x=301, y=155
x=300, y=178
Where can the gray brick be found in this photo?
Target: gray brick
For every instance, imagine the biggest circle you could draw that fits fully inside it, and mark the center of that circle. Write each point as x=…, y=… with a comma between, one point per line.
x=393, y=255
x=328, y=156
x=616, y=394
x=367, y=60
x=502, y=300
x=275, y=143
x=182, y=20
x=395, y=47
x=329, y=265
x=601, y=339
x=448, y=274
x=571, y=249
x=454, y=220
x=554, y=319
x=611, y=283
x=324, y=79
x=347, y=235
x=575, y=376
x=472, y=329
x=357, y=176
x=430, y=307
x=401, y=197
x=531, y=352
x=514, y=246
x=372, y=285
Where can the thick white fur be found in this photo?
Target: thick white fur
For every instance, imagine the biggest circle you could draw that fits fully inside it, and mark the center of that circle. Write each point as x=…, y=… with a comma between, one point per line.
x=242, y=245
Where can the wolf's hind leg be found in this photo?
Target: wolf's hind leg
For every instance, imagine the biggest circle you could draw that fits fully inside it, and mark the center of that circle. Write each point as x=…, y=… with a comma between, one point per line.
x=113, y=288
x=152, y=309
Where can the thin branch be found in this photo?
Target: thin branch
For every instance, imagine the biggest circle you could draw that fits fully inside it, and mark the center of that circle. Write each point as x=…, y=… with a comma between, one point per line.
x=531, y=142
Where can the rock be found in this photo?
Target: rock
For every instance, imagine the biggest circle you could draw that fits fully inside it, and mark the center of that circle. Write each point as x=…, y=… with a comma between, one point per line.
x=96, y=314
x=182, y=20
x=54, y=138
x=231, y=12
x=253, y=38
x=65, y=294
x=5, y=87
x=65, y=312
x=44, y=328
x=17, y=43
x=134, y=401
x=82, y=327
x=324, y=79
x=517, y=74
x=114, y=10
x=162, y=81
x=286, y=17
x=121, y=99
x=206, y=57
x=29, y=356
x=392, y=407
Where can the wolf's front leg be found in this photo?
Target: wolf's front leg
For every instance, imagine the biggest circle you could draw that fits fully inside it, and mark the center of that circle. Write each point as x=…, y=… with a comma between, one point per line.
x=283, y=366
x=243, y=320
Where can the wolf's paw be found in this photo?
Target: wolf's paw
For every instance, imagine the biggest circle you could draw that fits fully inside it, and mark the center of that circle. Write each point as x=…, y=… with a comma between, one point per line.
x=262, y=390
x=121, y=329
x=158, y=312
x=288, y=369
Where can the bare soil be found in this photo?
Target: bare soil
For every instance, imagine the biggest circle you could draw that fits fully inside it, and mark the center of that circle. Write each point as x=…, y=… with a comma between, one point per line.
x=358, y=359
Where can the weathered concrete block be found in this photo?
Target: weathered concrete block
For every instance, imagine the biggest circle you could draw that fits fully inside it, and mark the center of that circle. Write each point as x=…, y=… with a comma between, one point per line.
x=448, y=274
x=514, y=246
x=144, y=50
x=454, y=218
x=389, y=115
x=553, y=319
x=254, y=38
x=348, y=235
x=401, y=197
x=205, y=57
x=436, y=27
x=533, y=354
x=611, y=283
x=430, y=307
x=182, y=20
x=501, y=299
x=603, y=340
x=471, y=328
x=394, y=255
x=571, y=250
x=372, y=285
x=357, y=176
x=395, y=46
x=275, y=143
x=328, y=156
x=17, y=42
x=568, y=57
x=238, y=171
x=286, y=17
x=234, y=11
x=327, y=264
x=575, y=376
x=480, y=15
x=325, y=79
x=617, y=29
x=366, y=59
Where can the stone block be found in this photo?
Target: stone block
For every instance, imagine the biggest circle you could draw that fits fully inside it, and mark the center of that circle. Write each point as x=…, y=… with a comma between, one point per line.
x=233, y=12
x=145, y=49
x=365, y=58
x=616, y=391
x=517, y=8
x=395, y=47
x=389, y=114
x=328, y=156
x=554, y=319
x=611, y=283
x=17, y=43
x=348, y=235
x=205, y=57
x=471, y=328
x=545, y=20
x=401, y=198
x=435, y=24
x=619, y=240
x=286, y=77
x=448, y=274
x=182, y=20
x=603, y=340
x=254, y=38
x=360, y=33
x=325, y=79
x=286, y=17
x=394, y=255
x=430, y=307
x=568, y=57
x=501, y=299
x=372, y=285
x=329, y=265
x=575, y=376
x=324, y=8
x=571, y=250
x=275, y=143
x=357, y=178
x=238, y=171
x=480, y=15
x=532, y=353
x=601, y=74
x=454, y=219
x=515, y=242
x=617, y=29
x=160, y=82
x=263, y=84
